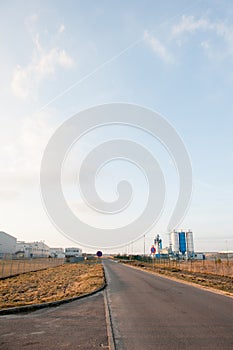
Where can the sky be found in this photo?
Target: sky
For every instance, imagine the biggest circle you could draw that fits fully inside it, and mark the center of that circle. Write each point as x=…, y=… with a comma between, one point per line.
x=173, y=57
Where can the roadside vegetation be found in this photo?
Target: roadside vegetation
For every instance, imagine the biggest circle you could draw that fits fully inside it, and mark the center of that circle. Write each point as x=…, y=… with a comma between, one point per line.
x=174, y=270
x=52, y=284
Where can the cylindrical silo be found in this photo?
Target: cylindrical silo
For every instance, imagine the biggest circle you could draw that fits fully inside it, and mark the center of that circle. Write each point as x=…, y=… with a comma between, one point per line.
x=175, y=242
x=190, y=244
x=182, y=242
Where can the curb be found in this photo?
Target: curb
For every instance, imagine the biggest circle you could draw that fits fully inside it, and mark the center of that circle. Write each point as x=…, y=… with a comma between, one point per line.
x=109, y=322
x=34, y=307
x=186, y=282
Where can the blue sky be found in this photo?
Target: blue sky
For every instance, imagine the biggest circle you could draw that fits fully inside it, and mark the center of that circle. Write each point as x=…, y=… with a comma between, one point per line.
x=174, y=57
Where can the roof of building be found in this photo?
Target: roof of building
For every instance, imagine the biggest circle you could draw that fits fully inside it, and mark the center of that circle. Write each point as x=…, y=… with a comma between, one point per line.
x=6, y=234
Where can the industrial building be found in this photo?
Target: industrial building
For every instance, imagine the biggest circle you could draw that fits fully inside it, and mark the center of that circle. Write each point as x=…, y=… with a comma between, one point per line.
x=158, y=245
x=33, y=249
x=57, y=253
x=73, y=252
x=7, y=244
x=181, y=244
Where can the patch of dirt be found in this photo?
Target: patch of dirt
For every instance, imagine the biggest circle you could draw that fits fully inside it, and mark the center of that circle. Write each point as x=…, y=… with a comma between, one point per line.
x=52, y=284
x=224, y=283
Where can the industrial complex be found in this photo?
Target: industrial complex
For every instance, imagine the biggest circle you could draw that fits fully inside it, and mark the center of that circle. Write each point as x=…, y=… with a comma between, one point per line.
x=10, y=247
x=181, y=246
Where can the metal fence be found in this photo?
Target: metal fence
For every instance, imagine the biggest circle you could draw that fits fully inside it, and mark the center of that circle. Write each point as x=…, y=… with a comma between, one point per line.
x=15, y=267
x=217, y=267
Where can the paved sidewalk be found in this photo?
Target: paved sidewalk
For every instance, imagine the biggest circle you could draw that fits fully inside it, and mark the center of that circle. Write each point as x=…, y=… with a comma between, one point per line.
x=80, y=324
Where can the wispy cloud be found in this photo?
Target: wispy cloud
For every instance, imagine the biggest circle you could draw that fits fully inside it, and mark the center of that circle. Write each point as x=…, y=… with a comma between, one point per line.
x=61, y=29
x=158, y=48
x=22, y=158
x=191, y=25
x=43, y=64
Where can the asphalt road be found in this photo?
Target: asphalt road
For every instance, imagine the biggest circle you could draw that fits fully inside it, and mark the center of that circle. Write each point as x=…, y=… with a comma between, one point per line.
x=80, y=324
x=146, y=312
x=152, y=312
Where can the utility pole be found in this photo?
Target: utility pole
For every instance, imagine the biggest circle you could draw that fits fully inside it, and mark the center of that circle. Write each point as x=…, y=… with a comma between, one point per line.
x=227, y=253
x=144, y=244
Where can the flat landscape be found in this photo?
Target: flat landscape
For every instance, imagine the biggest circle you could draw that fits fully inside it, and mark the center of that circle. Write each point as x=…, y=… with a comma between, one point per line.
x=52, y=284
x=147, y=311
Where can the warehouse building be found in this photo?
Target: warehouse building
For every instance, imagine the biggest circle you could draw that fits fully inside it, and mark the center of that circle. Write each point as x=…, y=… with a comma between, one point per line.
x=57, y=253
x=33, y=249
x=7, y=244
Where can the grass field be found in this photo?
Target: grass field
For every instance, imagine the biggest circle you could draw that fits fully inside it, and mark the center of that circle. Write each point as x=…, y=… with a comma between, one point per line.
x=195, y=273
x=52, y=284
x=14, y=267
x=218, y=267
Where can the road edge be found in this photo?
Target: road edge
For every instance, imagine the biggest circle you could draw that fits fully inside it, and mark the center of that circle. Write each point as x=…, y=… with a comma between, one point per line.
x=109, y=323
x=34, y=307
x=208, y=289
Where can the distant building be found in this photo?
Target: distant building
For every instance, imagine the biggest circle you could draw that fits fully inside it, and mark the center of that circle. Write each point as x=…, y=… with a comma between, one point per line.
x=7, y=244
x=33, y=249
x=73, y=252
x=57, y=253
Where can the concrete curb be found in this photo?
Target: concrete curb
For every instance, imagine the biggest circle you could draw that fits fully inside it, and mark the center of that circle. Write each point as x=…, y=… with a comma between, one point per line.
x=179, y=280
x=109, y=323
x=34, y=307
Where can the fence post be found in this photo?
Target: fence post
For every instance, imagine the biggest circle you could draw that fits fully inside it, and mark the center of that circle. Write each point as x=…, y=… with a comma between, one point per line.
x=3, y=263
x=11, y=267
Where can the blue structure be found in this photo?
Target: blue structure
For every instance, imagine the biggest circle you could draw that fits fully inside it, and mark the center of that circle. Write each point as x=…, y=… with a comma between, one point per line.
x=182, y=242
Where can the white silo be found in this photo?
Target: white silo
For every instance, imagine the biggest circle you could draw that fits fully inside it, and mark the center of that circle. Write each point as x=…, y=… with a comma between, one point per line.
x=175, y=242
x=189, y=243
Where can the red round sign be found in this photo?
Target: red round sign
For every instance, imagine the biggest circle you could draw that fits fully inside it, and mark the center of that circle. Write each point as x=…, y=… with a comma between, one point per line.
x=153, y=250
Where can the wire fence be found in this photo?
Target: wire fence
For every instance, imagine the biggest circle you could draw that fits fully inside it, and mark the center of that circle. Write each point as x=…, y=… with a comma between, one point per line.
x=14, y=267
x=217, y=267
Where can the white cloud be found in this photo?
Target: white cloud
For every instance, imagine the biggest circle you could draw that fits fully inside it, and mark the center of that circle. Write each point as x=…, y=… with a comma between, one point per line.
x=44, y=64
x=221, y=30
x=189, y=24
x=22, y=156
x=205, y=44
x=61, y=29
x=158, y=48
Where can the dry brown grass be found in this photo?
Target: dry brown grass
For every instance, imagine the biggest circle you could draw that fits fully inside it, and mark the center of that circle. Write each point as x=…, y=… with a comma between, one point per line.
x=14, y=267
x=56, y=283
x=223, y=283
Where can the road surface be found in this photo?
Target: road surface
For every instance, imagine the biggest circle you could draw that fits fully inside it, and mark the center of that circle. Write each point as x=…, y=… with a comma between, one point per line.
x=152, y=312
x=80, y=325
x=146, y=312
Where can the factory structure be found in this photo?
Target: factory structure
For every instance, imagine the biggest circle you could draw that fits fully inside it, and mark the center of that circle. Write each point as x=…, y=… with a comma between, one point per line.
x=7, y=244
x=10, y=248
x=33, y=249
x=181, y=246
